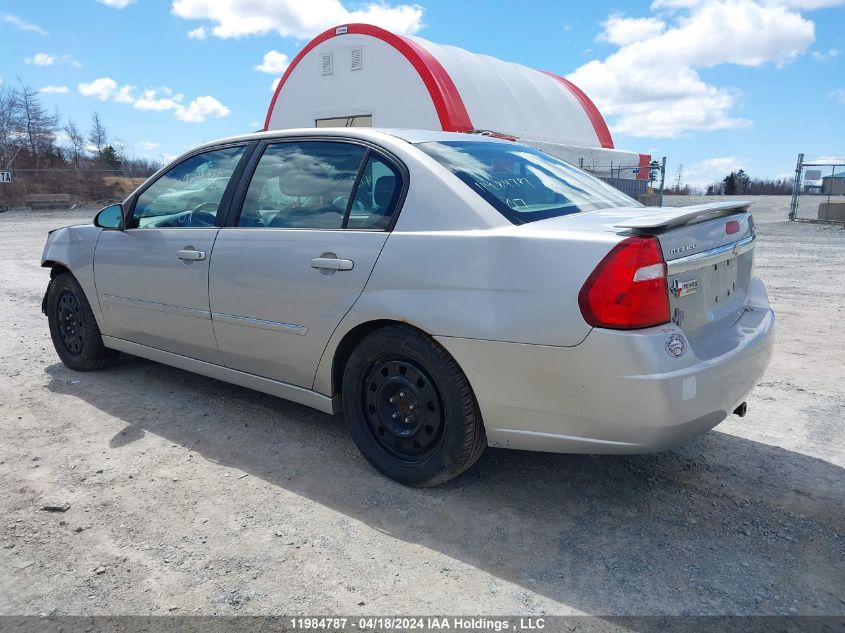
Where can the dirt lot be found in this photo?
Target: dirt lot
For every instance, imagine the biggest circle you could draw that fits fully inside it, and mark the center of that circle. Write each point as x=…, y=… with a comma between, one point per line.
x=188, y=495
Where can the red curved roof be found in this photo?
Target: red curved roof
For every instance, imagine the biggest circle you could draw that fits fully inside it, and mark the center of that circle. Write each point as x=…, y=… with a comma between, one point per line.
x=450, y=106
x=447, y=100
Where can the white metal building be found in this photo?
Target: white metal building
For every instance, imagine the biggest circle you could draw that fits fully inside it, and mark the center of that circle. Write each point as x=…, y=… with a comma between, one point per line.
x=363, y=75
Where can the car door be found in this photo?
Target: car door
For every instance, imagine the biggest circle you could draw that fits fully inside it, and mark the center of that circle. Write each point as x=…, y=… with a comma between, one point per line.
x=312, y=223
x=152, y=277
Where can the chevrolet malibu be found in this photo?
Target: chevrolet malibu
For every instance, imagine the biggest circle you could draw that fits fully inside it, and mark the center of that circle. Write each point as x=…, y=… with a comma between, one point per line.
x=445, y=292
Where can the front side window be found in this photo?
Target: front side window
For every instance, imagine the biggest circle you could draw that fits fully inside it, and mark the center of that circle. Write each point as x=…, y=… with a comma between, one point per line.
x=523, y=183
x=189, y=195
x=302, y=185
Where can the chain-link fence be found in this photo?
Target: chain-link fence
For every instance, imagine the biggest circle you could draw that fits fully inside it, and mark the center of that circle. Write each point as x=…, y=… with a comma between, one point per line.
x=818, y=194
x=24, y=187
x=641, y=182
x=28, y=187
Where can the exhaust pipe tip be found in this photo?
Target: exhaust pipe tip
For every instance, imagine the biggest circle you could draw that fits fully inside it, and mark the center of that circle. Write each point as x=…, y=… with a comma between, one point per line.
x=741, y=410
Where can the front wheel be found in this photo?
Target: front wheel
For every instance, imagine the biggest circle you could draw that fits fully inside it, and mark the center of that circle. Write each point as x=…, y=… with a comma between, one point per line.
x=73, y=329
x=410, y=408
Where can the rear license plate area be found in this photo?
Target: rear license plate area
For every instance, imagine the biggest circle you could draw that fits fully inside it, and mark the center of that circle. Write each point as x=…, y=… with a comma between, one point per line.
x=720, y=281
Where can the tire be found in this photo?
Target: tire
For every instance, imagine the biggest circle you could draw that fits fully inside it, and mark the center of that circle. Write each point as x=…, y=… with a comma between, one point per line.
x=73, y=328
x=410, y=408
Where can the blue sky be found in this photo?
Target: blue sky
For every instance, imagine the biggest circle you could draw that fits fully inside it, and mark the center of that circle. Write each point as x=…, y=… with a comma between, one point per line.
x=711, y=84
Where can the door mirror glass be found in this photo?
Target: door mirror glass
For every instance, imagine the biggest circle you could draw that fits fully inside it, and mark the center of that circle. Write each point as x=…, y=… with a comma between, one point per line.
x=110, y=218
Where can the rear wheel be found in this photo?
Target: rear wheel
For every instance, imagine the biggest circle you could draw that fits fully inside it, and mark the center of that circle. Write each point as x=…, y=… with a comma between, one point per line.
x=410, y=408
x=73, y=329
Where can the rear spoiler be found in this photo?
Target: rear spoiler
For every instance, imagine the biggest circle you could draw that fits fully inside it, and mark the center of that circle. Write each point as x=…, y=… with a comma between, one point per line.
x=668, y=217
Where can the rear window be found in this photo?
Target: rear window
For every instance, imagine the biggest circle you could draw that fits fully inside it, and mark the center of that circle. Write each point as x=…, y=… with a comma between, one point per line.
x=523, y=183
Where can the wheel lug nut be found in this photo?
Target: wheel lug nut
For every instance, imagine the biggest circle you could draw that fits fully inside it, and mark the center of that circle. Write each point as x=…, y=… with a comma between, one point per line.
x=413, y=406
x=395, y=415
x=407, y=420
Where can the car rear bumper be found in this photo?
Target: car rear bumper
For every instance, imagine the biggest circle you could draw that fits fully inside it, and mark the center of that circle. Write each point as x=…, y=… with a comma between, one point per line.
x=616, y=392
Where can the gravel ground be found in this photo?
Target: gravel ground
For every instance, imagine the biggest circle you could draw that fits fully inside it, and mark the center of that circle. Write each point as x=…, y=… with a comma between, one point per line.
x=188, y=495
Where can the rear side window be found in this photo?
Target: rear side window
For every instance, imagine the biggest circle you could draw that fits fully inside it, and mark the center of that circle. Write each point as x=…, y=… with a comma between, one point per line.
x=321, y=185
x=523, y=183
x=302, y=185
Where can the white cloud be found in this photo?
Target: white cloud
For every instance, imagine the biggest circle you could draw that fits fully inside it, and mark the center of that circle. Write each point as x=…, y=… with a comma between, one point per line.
x=124, y=95
x=160, y=99
x=274, y=62
x=711, y=170
x=651, y=86
x=41, y=59
x=803, y=5
x=838, y=95
x=825, y=56
x=45, y=59
x=55, y=90
x=198, y=33
x=827, y=160
x=294, y=18
x=622, y=31
x=116, y=4
x=149, y=100
x=148, y=145
x=22, y=24
x=201, y=109
x=275, y=84
x=102, y=88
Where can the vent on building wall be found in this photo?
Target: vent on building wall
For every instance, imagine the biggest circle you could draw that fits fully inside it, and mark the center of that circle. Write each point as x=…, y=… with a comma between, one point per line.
x=357, y=58
x=327, y=64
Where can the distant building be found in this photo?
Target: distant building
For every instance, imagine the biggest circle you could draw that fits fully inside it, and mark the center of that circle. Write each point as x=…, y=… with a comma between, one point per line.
x=359, y=75
x=834, y=184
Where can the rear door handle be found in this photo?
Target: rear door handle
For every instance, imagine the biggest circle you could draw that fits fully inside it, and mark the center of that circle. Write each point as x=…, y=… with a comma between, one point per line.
x=332, y=263
x=191, y=255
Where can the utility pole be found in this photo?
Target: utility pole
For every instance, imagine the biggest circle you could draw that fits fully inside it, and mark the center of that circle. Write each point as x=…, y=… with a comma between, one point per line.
x=662, y=181
x=680, y=173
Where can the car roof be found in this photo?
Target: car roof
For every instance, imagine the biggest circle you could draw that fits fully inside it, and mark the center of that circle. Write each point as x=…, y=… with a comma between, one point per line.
x=373, y=134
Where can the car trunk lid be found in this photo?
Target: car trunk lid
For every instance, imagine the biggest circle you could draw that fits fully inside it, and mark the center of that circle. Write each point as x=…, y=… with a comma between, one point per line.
x=709, y=253
x=708, y=249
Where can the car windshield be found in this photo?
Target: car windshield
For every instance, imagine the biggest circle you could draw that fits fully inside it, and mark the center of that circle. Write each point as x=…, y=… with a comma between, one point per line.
x=523, y=183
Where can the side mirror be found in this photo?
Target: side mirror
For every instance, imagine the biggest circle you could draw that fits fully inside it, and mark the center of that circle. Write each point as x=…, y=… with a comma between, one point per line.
x=110, y=218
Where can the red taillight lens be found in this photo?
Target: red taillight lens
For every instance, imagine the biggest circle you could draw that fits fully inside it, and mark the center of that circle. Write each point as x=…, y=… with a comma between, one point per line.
x=627, y=290
x=731, y=227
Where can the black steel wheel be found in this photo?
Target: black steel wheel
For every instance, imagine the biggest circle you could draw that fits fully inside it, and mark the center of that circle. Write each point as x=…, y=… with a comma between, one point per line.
x=71, y=323
x=403, y=408
x=410, y=408
x=73, y=327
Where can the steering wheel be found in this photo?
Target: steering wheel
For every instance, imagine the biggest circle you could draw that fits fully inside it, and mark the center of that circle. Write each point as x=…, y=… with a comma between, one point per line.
x=199, y=216
x=342, y=201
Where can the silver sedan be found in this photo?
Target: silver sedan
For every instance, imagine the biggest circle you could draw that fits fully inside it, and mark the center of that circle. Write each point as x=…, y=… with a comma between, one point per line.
x=445, y=292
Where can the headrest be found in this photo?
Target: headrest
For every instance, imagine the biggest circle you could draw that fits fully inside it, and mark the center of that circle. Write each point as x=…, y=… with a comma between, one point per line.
x=383, y=191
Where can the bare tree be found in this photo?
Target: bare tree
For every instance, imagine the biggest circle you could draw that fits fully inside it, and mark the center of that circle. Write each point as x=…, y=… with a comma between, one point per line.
x=9, y=124
x=77, y=142
x=38, y=126
x=98, y=137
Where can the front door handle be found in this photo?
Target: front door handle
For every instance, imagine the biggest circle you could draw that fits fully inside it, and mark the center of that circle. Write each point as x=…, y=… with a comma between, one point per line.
x=332, y=263
x=190, y=255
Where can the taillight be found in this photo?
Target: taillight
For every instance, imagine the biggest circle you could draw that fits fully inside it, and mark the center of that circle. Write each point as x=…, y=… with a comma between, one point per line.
x=628, y=289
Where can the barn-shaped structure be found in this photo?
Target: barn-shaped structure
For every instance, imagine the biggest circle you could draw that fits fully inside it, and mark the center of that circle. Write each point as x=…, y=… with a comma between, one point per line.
x=363, y=75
